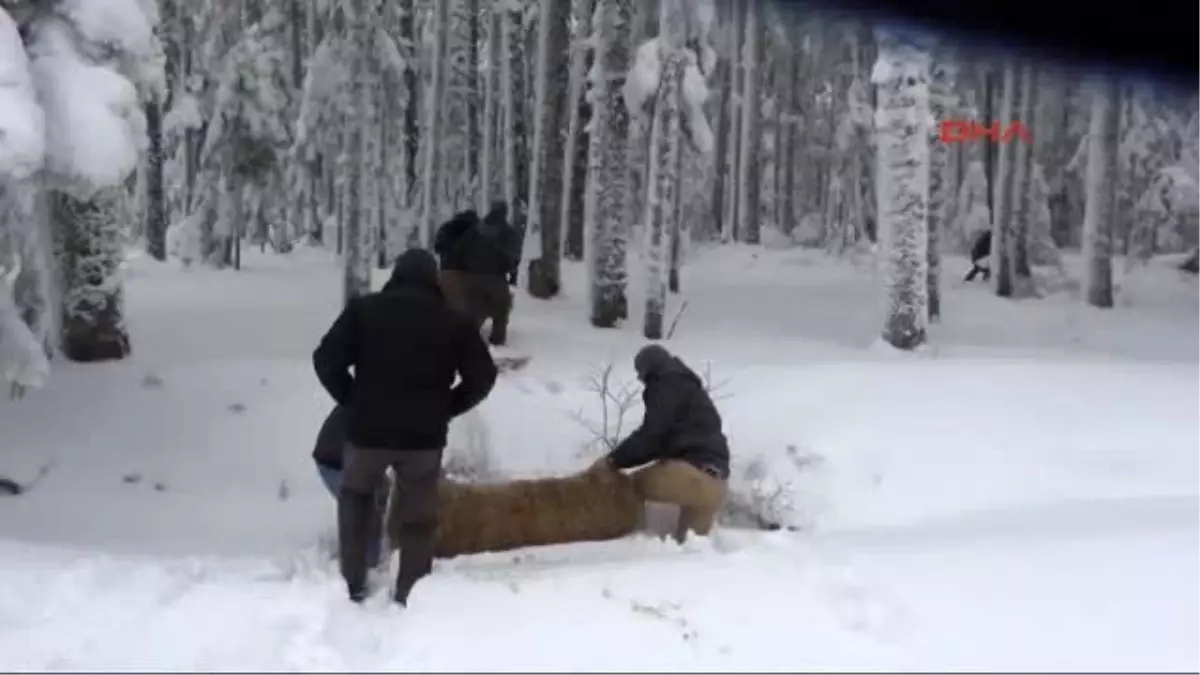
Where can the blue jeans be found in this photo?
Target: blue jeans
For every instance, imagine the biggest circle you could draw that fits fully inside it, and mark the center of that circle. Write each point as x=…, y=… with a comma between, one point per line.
x=332, y=478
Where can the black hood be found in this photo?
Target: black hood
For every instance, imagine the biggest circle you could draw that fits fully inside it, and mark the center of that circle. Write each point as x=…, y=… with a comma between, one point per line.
x=415, y=268
x=655, y=361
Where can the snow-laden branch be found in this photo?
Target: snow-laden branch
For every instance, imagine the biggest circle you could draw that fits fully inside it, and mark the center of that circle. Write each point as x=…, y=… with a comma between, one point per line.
x=23, y=362
x=22, y=135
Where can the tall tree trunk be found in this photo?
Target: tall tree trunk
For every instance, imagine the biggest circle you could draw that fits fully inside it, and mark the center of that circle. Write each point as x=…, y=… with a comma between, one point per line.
x=903, y=174
x=490, y=182
x=1100, y=208
x=412, y=112
x=577, y=134
x=940, y=195
x=1002, y=225
x=474, y=137
x=356, y=260
x=516, y=129
x=737, y=108
x=546, y=187
x=433, y=124
x=662, y=199
x=156, y=195
x=1023, y=156
x=749, y=171
x=608, y=190
x=725, y=104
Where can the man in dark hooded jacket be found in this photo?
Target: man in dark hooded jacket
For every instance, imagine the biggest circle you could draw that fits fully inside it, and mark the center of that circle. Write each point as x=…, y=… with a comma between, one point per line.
x=494, y=251
x=477, y=257
x=680, y=438
x=452, y=244
x=406, y=347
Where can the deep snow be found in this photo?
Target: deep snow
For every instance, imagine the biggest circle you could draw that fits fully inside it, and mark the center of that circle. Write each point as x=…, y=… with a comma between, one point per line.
x=1024, y=495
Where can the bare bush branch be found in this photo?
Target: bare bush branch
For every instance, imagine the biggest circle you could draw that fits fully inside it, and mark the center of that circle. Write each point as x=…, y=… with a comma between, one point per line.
x=616, y=400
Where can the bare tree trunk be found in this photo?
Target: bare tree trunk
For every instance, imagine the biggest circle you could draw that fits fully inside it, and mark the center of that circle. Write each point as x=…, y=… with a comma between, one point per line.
x=940, y=196
x=608, y=190
x=749, y=223
x=546, y=188
x=1100, y=211
x=156, y=195
x=725, y=111
x=1003, y=216
x=433, y=124
x=577, y=133
x=1023, y=156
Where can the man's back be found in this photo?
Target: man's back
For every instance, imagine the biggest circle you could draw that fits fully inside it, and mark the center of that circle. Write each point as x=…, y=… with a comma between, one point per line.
x=406, y=346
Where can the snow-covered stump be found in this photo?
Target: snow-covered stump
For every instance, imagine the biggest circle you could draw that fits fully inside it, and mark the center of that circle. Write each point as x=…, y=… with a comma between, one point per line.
x=594, y=505
x=902, y=122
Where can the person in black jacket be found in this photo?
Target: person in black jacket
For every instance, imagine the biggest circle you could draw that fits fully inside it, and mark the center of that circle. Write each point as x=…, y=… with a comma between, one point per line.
x=452, y=244
x=493, y=253
x=680, y=438
x=477, y=257
x=981, y=253
x=406, y=347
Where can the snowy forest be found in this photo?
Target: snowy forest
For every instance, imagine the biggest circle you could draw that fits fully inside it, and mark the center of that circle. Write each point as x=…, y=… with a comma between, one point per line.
x=622, y=134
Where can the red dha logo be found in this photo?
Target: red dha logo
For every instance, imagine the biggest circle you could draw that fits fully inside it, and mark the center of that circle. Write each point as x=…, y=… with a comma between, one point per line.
x=965, y=131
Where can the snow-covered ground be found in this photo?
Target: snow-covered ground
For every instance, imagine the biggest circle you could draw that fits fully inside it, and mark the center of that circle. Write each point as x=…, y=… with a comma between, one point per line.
x=1023, y=496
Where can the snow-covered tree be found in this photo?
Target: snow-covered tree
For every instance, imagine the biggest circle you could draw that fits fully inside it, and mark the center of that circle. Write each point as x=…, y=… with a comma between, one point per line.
x=93, y=65
x=431, y=177
x=25, y=327
x=607, y=189
x=662, y=215
x=575, y=179
x=1099, y=214
x=749, y=223
x=941, y=100
x=553, y=115
x=903, y=119
x=1003, y=215
x=1020, y=205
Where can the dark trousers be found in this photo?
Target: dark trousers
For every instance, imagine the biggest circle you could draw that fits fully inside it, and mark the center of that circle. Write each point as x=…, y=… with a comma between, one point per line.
x=332, y=478
x=480, y=297
x=417, y=473
x=976, y=270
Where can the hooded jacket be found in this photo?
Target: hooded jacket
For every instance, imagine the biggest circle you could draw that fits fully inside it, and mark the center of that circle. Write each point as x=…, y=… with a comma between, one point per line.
x=680, y=422
x=406, y=346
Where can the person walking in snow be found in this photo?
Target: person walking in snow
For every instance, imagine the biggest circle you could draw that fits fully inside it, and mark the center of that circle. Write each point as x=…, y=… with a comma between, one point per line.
x=451, y=246
x=406, y=346
x=681, y=441
x=477, y=259
x=981, y=253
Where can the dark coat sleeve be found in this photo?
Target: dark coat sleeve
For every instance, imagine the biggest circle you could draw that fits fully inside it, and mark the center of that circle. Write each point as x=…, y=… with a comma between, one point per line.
x=336, y=353
x=476, y=371
x=662, y=401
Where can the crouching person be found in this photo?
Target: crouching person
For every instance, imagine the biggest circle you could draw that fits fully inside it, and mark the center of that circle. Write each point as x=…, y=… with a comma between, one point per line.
x=331, y=442
x=406, y=346
x=680, y=441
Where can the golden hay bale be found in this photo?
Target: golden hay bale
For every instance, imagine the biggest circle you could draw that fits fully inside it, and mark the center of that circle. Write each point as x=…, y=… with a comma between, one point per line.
x=476, y=517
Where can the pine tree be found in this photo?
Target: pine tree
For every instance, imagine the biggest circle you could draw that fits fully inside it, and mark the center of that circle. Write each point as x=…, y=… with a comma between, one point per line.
x=1099, y=214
